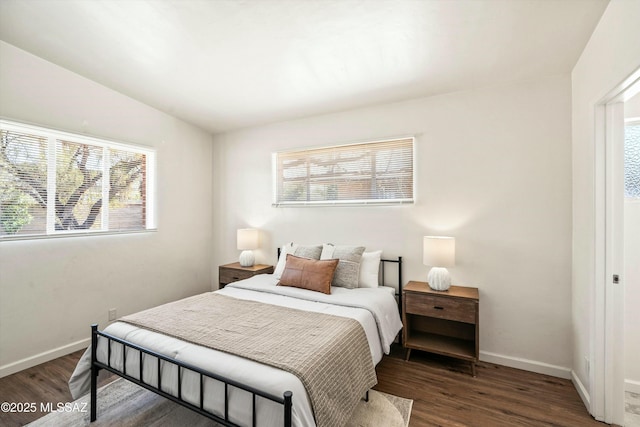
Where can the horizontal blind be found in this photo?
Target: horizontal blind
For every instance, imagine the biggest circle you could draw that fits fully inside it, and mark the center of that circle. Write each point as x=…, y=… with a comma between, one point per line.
x=371, y=172
x=23, y=183
x=78, y=186
x=127, y=190
x=81, y=184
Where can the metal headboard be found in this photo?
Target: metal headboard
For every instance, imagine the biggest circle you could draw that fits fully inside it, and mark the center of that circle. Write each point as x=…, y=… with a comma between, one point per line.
x=399, y=262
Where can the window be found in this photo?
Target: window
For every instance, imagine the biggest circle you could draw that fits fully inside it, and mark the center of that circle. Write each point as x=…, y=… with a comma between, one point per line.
x=379, y=172
x=54, y=183
x=632, y=160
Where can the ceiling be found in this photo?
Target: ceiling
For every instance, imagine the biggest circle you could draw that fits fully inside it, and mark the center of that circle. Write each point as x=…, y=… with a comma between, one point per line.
x=229, y=64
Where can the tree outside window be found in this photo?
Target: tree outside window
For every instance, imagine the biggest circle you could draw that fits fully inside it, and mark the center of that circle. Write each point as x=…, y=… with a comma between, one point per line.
x=52, y=185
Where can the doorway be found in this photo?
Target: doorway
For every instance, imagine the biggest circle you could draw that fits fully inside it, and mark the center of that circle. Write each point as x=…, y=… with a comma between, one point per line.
x=609, y=332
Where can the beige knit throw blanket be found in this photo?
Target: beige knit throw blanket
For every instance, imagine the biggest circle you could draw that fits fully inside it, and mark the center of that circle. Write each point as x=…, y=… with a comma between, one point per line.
x=330, y=354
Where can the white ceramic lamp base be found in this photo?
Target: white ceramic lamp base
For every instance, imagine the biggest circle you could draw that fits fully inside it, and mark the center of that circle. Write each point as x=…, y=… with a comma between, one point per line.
x=247, y=259
x=439, y=279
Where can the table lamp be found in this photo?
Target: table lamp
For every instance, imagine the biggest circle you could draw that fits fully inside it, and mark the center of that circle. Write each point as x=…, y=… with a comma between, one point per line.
x=248, y=239
x=439, y=252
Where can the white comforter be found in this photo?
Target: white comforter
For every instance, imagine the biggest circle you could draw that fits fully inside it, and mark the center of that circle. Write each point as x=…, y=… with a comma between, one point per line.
x=375, y=309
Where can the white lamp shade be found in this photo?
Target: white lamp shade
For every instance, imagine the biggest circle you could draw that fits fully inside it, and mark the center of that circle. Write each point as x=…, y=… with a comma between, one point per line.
x=439, y=251
x=248, y=239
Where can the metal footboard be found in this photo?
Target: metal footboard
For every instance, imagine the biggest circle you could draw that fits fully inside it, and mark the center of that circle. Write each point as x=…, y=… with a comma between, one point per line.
x=162, y=360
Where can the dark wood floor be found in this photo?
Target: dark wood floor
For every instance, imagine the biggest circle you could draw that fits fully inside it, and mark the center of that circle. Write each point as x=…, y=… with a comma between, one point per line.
x=443, y=392
x=45, y=383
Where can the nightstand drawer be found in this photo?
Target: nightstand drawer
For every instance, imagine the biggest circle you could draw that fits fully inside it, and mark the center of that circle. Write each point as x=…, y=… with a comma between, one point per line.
x=229, y=275
x=441, y=307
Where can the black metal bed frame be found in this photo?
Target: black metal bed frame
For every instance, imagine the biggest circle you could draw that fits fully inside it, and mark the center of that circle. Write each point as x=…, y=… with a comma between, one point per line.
x=162, y=360
x=96, y=366
x=399, y=262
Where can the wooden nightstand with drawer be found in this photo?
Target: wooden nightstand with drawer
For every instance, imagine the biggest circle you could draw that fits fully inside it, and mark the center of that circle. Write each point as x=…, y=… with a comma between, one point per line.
x=233, y=272
x=442, y=322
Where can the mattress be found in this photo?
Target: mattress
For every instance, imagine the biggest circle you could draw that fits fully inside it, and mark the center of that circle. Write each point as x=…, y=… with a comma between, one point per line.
x=374, y=308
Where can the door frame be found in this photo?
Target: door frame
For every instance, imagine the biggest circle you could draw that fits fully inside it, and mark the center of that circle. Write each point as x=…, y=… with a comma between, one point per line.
x=607, y=323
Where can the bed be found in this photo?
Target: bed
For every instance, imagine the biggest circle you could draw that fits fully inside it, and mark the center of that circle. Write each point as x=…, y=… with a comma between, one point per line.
x=240, y=390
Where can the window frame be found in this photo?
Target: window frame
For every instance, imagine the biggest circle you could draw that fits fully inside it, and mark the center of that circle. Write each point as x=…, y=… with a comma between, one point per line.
x=354, y=202
x=54, y=135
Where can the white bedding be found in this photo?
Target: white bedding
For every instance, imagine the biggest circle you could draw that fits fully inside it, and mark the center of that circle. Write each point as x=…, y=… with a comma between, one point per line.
x=375, y=309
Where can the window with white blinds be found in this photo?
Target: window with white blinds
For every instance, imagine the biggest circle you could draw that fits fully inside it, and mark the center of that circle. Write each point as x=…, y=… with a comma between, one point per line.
x=379, y=172
x=54, y=183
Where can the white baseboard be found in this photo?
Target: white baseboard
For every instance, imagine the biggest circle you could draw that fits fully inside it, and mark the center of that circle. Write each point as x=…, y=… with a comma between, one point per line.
x=582, y=390
x=46, y=356
x=632, y=386
x=526, y=365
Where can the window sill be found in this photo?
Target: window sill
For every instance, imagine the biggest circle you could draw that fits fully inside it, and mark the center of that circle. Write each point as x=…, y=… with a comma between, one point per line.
x=74, y=234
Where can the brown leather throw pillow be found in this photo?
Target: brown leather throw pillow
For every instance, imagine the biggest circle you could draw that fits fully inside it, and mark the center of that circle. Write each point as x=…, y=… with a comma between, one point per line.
x=311, y=274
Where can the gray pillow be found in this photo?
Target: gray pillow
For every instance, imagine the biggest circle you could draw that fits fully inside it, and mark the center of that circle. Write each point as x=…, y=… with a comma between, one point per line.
x=311, y=252
x=348, y=270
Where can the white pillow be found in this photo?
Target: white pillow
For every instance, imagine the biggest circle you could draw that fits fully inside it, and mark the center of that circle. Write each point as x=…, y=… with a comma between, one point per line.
x=369, y=269
x=288, y=248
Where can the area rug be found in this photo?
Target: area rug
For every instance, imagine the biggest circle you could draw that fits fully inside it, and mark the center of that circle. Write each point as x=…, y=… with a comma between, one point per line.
x=122, y=403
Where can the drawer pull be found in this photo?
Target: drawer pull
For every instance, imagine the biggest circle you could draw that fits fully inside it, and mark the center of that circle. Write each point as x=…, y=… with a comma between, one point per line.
x=235, y=278
x=438, y=308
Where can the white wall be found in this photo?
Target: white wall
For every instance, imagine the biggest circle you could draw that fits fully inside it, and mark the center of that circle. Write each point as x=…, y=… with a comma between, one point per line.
x=611, y=55
x=51, y=290
x=493, y=170
x=632, y=277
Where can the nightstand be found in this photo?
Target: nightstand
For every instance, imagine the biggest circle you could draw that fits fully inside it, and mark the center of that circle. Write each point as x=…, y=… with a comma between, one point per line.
x=233, y=272
x=442, y=322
